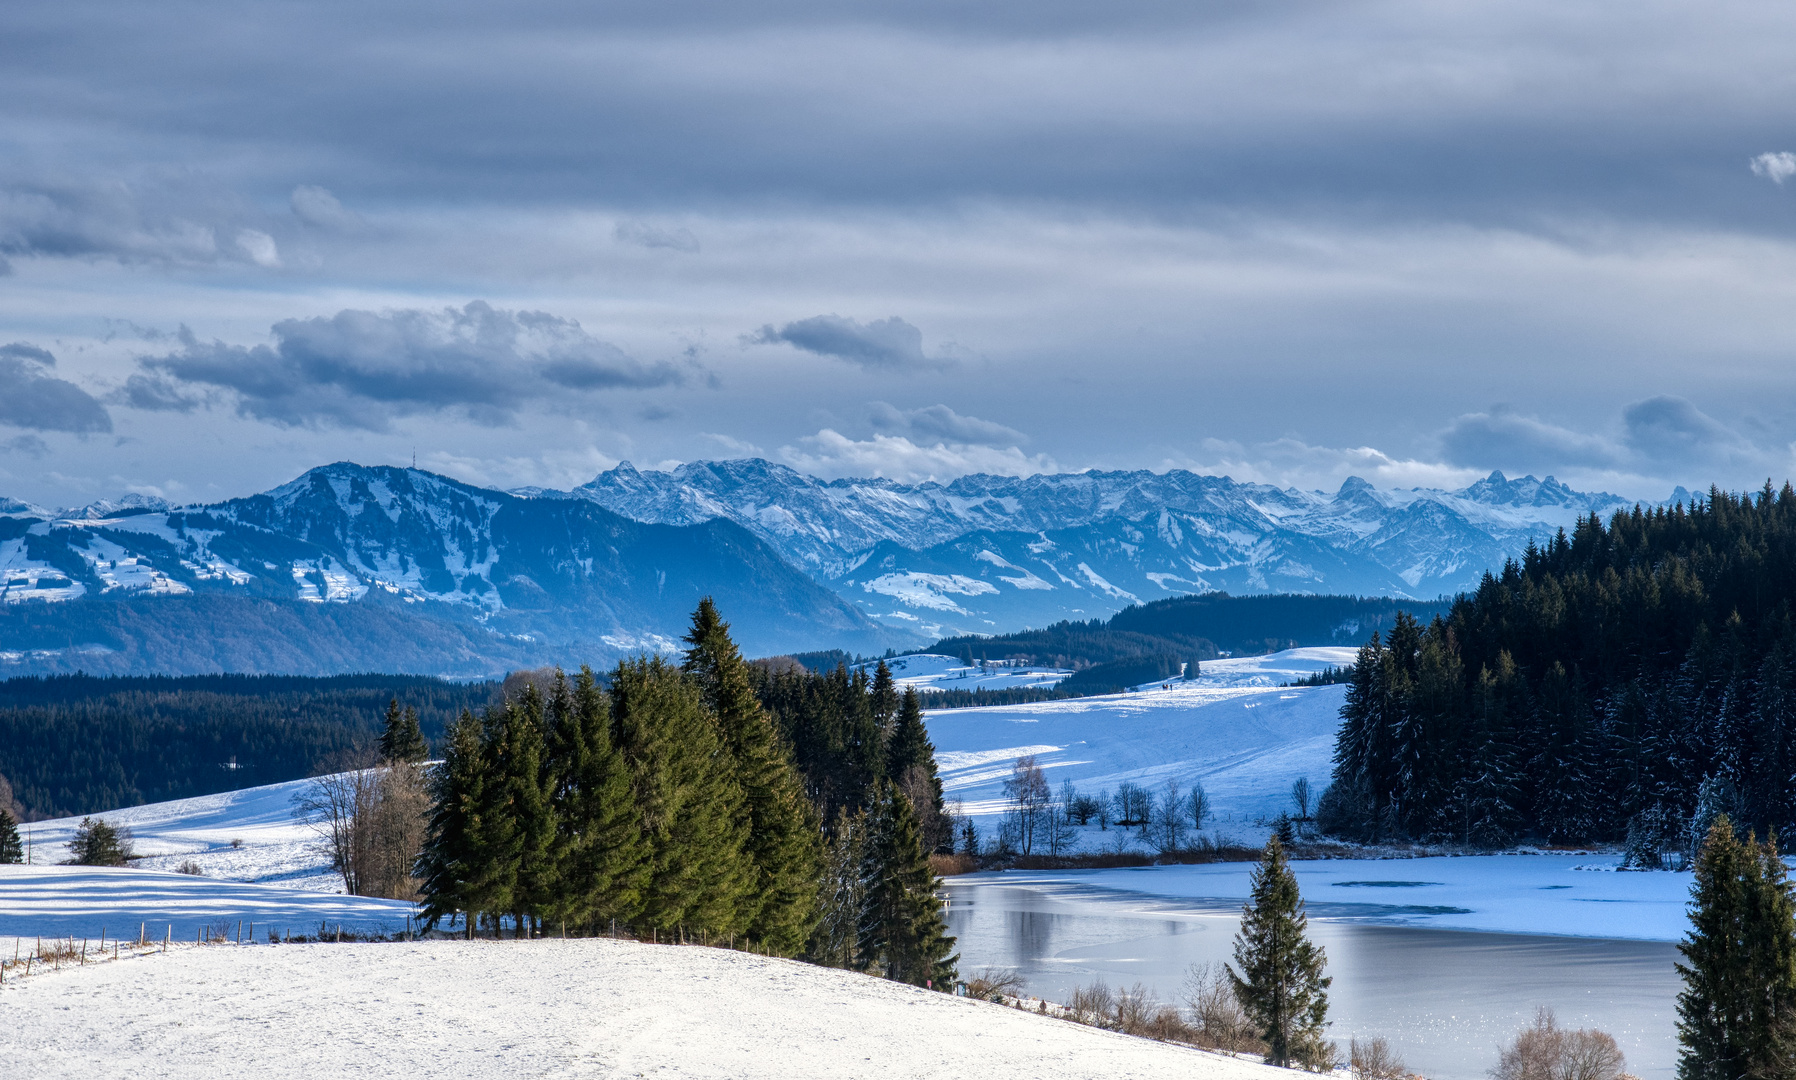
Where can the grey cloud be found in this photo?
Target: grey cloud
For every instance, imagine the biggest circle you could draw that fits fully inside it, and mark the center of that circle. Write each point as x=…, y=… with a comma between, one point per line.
x=890, y=344
x=156, y=393
x=319, y=208
x=360, y=369
x=176, y=222
x=1670, y=429
x=645, y=235
x=940, y=424
x=19, y=350
x=1504, y=438
x=34, y=400
x=29, y=445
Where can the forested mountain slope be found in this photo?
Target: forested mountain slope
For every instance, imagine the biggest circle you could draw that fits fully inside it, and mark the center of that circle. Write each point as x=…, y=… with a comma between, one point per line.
x=1635, y=677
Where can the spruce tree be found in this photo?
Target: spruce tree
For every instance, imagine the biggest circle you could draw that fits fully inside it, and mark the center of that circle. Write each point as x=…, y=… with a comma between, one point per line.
x=902, y=933
x=601, y=857
x=523, y=849
x=1278, y=970
x=453, y=851
x=783, y=838
x=11, y=850
x=885, y=697
x=401, y=739
x=1740, y=979
x=690, y=800
x=841, y=895
x=910, y=762
x=98, y=843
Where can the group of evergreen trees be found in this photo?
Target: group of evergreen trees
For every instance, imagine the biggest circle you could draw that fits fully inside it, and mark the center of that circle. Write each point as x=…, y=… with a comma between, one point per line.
x=1638, y=678
x=849, y=733
x=670, y=801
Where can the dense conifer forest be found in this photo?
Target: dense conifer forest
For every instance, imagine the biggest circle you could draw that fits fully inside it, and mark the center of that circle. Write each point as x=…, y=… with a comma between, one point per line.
x=76, y=744
x=1197, y=627
x=1634, y=680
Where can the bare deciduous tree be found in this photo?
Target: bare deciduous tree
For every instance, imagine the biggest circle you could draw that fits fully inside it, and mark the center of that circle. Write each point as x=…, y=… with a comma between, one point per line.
x=1545, y=1051
x=372, y=820
x=1375, y=1060
x=1031, y=802
x=1216, y=1013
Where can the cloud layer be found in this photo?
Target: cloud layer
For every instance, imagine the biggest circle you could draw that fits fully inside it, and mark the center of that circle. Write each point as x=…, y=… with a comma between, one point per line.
x=362, y=369
x=32, y=398
x=884, y=344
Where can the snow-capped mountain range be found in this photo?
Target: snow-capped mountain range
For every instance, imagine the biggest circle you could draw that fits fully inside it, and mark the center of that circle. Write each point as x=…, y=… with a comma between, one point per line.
x=615, y=565
x=557, y=580
x=988, y=553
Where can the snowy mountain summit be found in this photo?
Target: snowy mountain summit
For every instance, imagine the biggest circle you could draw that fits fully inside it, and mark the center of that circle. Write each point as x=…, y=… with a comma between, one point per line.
x=992, y=552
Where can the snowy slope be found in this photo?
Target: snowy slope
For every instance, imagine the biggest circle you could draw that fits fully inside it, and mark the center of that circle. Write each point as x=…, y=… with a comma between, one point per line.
x=274, y=847
x=930, y=671
x=497, y=1010
x=1246, y=745
x=83, y=901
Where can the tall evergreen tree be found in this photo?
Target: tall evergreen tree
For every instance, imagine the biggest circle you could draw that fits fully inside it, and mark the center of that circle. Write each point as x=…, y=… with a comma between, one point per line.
x=11, y=850
x=1278, y=970
x=885, y=699
x=902, y=933
x=517, y=871
x=690, y=800
x=841, y=894
x=783, y=836
x=910, y=763
x=1740, y=975
x=401, y=739
x=453, y=851
x=601, y=857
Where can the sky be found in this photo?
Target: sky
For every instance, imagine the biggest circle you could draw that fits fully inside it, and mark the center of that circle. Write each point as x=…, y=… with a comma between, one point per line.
x=1287, y=242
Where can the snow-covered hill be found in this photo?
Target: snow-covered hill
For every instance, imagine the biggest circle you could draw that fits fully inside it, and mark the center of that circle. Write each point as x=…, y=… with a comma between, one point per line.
x=1246, y=745
x=989, y=553
x=497, y=1010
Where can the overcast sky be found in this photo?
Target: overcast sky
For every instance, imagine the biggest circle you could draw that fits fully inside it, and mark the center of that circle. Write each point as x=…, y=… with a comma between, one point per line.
x=1289, y=242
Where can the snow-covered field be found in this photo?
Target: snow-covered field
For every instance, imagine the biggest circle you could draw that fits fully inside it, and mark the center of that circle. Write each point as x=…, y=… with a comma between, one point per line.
x=247, y=835
x=537, y=1009
x=1245, y=744
x=928, y=671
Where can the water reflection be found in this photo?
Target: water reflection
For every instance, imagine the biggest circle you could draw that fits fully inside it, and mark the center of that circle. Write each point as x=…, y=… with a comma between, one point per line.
x=1446, y=999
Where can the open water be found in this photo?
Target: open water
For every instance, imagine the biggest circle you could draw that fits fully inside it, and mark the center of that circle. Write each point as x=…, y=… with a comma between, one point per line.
x=1445, y=999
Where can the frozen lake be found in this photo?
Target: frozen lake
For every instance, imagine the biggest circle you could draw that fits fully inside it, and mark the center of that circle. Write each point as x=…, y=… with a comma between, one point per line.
x=1445, y=997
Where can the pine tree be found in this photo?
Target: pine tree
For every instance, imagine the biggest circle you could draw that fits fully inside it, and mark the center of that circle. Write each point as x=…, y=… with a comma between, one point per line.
x=902, y=933
x=1740, y=982
x=402, y=739
x=885, y=698
x=841, y=895
x=1714, y=1008
x=783, y=838
x=515, y=868
x=910, y=763
x=1279, y=978
x=97, y=843
x=11, y=850
x=689, y=798
x=453, y=852
x=601, y=857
